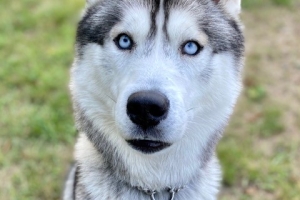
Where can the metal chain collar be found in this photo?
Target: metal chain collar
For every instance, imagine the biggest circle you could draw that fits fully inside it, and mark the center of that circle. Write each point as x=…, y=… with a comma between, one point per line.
x=151, y=193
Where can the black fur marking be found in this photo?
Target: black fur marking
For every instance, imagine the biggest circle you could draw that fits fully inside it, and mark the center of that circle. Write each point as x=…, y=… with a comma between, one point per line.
x=167, y=13
x=154, y=12
x=97, y=22
x=75, y=180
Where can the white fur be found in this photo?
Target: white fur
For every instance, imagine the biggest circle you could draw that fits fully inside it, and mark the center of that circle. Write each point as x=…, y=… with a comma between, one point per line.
x=233, y=7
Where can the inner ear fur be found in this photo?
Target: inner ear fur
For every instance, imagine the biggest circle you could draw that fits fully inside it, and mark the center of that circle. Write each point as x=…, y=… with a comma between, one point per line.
x=232, y=7
x=91, y=2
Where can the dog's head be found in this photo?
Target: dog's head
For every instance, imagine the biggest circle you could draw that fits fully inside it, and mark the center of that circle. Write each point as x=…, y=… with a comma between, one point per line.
x=153, y=75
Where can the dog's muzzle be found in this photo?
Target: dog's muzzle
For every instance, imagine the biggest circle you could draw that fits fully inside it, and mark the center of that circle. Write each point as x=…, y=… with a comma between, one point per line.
x=147, y=109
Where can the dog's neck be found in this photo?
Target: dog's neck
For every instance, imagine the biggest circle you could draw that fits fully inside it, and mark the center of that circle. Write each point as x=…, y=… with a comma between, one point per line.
x=97, y=176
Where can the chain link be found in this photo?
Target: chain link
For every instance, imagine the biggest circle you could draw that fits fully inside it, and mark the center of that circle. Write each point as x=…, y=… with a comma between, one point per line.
x=151, y=193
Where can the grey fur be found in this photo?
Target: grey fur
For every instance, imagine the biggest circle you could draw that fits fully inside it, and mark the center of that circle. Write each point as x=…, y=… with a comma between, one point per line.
x=214, y=22
x=113, y=162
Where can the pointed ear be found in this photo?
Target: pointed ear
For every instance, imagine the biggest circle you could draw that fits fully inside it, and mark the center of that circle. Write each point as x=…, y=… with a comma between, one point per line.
x=232, y=7
x=91, y=2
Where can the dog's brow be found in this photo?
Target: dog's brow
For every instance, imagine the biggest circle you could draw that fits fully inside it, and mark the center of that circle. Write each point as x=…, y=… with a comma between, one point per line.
x=96, y=24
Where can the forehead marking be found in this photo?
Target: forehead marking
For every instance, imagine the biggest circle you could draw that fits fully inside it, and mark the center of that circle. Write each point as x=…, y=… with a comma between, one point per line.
x=154, y=12
x=160, y=19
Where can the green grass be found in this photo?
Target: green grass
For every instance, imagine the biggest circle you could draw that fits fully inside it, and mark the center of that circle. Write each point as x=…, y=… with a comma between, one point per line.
x=38, y=46
x=270, y=122
x=259, y=3
x=260, y=150
x=37, y=130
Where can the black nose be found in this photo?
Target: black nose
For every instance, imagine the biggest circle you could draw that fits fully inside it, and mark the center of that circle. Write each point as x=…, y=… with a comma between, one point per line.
x=147, y=108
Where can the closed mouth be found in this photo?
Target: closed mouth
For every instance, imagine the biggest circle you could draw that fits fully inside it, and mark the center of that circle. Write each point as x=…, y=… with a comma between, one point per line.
x=148, y=146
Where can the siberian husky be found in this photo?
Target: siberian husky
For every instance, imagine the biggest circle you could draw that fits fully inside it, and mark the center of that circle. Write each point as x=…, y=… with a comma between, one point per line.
x=154, y=83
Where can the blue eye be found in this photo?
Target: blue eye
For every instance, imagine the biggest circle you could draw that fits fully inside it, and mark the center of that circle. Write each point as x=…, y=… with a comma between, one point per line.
x=191, y=48
x=124, y=42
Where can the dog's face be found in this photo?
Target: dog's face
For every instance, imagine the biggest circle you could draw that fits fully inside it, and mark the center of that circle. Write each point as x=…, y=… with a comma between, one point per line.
x=152, y=76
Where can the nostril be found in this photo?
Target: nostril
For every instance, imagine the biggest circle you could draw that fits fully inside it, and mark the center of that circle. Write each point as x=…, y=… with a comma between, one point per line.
x=147, y=108
x=157, y=110
x=134, y=108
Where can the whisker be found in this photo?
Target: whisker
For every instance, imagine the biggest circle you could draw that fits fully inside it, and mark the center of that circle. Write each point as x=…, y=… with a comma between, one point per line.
x=111, y=98
x=188, y=110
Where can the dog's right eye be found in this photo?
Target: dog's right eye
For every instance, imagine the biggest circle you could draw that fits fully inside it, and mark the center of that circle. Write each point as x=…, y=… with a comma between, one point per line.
x=123, y=42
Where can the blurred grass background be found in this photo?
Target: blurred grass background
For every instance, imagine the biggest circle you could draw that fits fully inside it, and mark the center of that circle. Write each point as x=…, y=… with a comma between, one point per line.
x=260, y=152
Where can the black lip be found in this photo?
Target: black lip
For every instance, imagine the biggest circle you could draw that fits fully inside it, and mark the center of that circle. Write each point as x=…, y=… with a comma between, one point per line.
x=148, y=146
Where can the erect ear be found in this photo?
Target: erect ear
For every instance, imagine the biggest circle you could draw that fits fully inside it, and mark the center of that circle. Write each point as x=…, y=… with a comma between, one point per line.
x=232, y=7
x=91, y=2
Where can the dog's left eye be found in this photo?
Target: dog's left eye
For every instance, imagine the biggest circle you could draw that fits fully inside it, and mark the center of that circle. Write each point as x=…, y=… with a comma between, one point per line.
x=124, y=42
x=191, y=48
